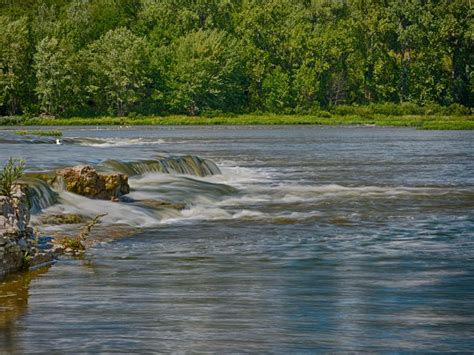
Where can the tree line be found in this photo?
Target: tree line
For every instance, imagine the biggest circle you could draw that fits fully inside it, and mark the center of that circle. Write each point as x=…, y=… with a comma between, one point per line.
x=94, y=57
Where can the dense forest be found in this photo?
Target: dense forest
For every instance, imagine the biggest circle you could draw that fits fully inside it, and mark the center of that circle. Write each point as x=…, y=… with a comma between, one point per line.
x=95, y=57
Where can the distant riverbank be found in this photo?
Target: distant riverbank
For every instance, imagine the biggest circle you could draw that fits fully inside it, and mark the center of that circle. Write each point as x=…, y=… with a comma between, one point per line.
x=437, y=122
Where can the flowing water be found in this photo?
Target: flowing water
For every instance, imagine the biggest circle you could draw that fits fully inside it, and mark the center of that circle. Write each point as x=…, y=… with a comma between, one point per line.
x=297, y=239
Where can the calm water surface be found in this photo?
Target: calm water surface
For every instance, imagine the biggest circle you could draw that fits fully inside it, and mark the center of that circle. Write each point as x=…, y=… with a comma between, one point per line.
x=312, y=239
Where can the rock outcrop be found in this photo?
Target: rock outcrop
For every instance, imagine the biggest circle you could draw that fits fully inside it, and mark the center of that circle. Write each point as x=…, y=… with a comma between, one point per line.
x=14, y=231
x=17, y=243
x=86, y=181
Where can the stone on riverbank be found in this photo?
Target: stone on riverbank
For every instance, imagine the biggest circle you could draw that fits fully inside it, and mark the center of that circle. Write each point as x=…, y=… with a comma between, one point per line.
x=17, y=243
x=86, y=181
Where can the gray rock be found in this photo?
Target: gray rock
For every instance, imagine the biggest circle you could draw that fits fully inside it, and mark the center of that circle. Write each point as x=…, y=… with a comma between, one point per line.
x=14, y=230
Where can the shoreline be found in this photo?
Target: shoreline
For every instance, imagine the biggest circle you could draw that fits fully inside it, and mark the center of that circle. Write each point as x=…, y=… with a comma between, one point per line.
x=428, y=122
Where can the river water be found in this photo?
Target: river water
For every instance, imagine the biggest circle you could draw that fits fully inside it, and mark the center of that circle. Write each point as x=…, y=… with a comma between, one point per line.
x=312, y=239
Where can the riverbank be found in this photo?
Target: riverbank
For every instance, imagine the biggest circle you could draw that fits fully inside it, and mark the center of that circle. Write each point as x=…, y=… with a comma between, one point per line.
x=425, y=122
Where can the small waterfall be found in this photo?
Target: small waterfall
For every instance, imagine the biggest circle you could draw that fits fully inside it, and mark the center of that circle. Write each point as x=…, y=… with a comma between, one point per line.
x=40, y=194
x=186, y=165
x=59, y=183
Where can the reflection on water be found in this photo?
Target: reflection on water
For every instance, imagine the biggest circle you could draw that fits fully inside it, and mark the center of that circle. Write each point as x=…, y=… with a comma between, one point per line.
x=311, y=239
x=14, y=304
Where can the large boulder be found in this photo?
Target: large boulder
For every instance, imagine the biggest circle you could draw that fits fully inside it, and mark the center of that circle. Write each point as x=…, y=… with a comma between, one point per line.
x=14, y=211
x=86, y=181
x=15, y=234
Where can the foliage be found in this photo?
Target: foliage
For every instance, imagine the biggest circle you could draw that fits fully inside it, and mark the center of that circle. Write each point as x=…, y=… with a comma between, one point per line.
x=66, y=218
x=73, y=243
x=56, y=87
x=118, y=63
x=12, y=171
x=41, y=133
x=67, y=58
x=276, y=91
x=202, y=72
x=14, y=63
x=76, y=244
x=438, y=121
x=26, y=259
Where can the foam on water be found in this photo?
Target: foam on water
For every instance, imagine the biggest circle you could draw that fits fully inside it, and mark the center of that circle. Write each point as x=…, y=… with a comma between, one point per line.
x=117, y=213
x=241, y=197
x=114, y=142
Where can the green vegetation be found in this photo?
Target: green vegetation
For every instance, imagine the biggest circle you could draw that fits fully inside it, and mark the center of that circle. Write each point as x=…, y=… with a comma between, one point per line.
x=323, y=118
x=73, y=243
x=76, y=244
x=41, y=133
x=67, y=218
x=12, y=171
x=26, y=260
x=91, y=58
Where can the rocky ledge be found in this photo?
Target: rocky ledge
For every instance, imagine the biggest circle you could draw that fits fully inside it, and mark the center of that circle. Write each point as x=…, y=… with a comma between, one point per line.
x=18, y=246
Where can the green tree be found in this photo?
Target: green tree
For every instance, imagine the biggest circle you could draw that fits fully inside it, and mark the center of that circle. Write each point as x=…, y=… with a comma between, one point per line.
x=203, y=71
x=14, y=63
x=57, y=85
x=325, y=74
x=276, y=91
x=83, y=22
x=189, y=56
x=368, y=28
x=455, y=30
x=273, y=34
x=118, y=65
x=165, y=20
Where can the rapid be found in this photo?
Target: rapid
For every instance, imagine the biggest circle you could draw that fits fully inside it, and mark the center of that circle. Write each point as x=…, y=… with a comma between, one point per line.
x=282, y=239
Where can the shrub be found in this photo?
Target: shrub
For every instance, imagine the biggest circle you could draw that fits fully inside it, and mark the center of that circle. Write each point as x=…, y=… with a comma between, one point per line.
x=344, y=110
x=41, y=133
x=12, y=171
x=387, y=108
x=403, y=109
x=73, y=243
x=11, y=121
x=457, y=109
x=323, y=114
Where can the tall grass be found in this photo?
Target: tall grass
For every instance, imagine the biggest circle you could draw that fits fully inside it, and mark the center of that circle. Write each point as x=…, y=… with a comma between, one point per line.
x=41, y=133
x=404, y=109
x=419, y=121
x=12, y=171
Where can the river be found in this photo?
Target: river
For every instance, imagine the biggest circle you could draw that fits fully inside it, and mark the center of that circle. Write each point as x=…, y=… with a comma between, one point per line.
x=311, y=239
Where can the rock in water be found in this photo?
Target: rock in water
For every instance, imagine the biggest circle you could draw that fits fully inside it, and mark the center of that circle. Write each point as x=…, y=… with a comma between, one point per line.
x=86, y=181
x=14, y=211
x=16, y=237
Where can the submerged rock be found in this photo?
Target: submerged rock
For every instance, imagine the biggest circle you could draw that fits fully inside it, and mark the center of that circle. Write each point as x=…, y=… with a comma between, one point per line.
x=67, y=218
x=86, y=181
x=159, y=204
